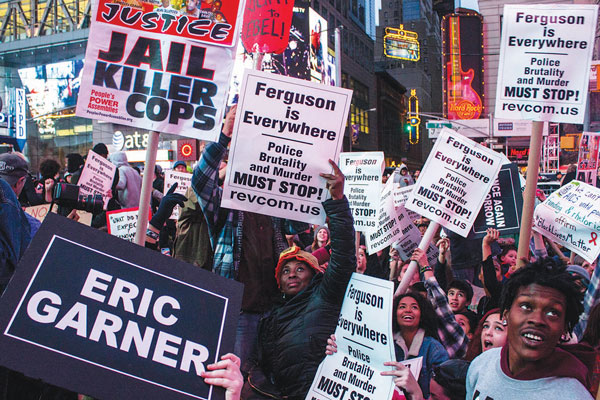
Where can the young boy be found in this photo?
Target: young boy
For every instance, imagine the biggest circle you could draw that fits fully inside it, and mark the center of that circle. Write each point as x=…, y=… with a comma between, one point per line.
x=540, y=303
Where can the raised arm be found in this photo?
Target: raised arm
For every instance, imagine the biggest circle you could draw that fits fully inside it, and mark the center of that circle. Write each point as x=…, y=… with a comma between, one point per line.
x=343, y=253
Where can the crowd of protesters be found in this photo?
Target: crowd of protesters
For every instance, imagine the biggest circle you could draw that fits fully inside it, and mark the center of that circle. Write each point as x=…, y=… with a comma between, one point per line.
x=485, y=328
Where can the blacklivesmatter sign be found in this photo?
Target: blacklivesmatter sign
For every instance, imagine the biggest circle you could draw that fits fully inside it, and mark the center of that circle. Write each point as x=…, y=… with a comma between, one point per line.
x=149, y=69
x=101, y=316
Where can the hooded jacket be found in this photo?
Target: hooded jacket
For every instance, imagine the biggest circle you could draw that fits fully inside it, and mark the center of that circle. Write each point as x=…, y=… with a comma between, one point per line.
x=292, y=338
x=129, y=186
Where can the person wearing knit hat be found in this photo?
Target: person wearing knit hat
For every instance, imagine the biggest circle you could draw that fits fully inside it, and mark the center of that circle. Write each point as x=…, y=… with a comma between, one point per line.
x=101, y=149
x=180, y=166
x=321, y=239
x=581, y=275
x=300, y=260
x=291, y=338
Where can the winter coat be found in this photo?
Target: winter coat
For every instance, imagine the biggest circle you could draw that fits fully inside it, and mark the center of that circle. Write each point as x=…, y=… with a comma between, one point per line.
x=129, y=186
x=292, y=338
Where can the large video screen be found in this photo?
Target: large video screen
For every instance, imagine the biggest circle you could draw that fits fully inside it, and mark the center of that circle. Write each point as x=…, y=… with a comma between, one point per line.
x=51, y=88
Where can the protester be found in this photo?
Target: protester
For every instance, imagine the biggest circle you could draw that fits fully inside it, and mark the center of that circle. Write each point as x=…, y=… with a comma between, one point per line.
x=450, y=333
x=74, y=167
x=490, y=333
x=540, y=303
x=101, y=150
x=403, y=177
x=226, y=373
x=245, y=245
x=321, y=239
x=180, y=166
x=49, y=170
x=311, y=303
x=129, y=185
x=15, y=170
x=490, y=275
x=448, y=381
x=415, y=335
x=591, y=337
x=15, y=232
x=361, y=261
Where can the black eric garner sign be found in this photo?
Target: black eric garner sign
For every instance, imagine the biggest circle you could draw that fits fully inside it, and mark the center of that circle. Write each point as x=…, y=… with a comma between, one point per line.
x=502, y=206
x=98, y=315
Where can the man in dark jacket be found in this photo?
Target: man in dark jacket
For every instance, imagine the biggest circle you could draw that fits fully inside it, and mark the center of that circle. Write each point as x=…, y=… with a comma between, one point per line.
x=292, y=337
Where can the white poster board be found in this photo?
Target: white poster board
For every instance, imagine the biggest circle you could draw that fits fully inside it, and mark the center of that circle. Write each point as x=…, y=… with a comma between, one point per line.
x=388, y=228
x=571, y=217
x=97, y=176
x=362, y=187
x=183, y=180
x=364, y=341
x=545, y=57
x=285, y=132
x=40, y=212
x=123, y=223
x=454, y=181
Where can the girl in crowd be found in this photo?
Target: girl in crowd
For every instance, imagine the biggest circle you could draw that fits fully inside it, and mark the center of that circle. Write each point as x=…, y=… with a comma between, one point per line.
x=490, y=333
x=321, y=239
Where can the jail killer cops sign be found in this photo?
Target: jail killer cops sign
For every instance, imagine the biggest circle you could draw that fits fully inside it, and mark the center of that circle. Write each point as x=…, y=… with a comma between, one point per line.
x=98, y=315
x=285, y=132
x=570, y=217
x=151, y=70
x=545, y=57
x=364, y=340
x=454, y=182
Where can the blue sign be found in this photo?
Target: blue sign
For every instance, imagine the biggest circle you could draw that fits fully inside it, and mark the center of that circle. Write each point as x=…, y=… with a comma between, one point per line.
x=101, y=316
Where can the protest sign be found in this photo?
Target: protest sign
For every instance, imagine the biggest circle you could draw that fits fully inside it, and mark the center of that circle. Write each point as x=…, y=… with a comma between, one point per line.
x=454, y=181
x=97, y=176
x=285, y=131
x=363, y=186
x=410, y=239
x=266, y=27
x=364, y=341
x=587, y=163
x=183, y=180
x=40, y=212
x=389, y=227
x=502, y=206
x=98, y=315
x=122, y=223
x=150, y=69
x=400, y=196
x=570, y=217
x=544, y=67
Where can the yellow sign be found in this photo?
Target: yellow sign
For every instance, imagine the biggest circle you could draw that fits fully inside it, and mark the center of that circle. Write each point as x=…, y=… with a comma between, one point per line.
x=401, y=44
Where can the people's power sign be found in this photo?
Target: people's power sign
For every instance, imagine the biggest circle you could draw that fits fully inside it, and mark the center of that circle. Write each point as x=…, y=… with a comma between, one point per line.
x=99, y=315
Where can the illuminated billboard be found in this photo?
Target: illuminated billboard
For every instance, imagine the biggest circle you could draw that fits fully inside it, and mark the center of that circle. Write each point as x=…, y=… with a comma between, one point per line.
x=401, y=44
x=462, y=46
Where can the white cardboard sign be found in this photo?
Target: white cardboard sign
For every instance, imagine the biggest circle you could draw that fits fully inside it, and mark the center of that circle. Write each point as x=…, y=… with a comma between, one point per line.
x=97, y=176
x=570, y=216
x=364, y=341
x=123, y=223
x=455, y=179
x=388, y=228
x=183, y=180
x=545, y=58
x=362, y=187
x=285, y=132
x=154, y=79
